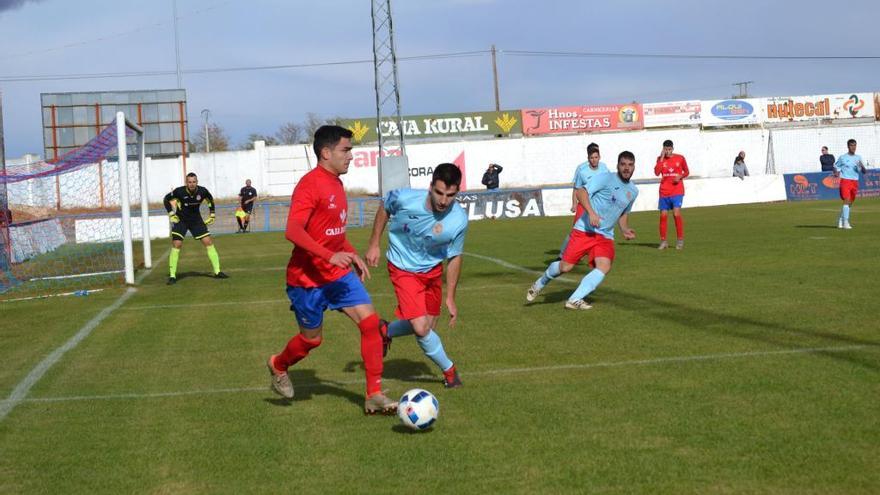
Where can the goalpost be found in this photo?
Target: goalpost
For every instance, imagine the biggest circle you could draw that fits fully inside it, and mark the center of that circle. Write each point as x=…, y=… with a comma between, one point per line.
x=74, y=219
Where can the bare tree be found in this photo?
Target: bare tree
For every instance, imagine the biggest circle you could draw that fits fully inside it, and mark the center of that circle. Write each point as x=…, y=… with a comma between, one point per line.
x=248, y=144
x=291, y=133
x=313, y=121
x=218, y=139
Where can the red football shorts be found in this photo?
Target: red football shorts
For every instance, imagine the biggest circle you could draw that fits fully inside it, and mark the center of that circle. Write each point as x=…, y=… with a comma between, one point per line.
x=582, y=243
x=418, y=294
x=849, y=189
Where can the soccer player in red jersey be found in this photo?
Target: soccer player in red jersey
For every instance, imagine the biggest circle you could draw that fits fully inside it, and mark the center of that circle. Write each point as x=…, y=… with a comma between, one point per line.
x=673, y=168
x=319, y=273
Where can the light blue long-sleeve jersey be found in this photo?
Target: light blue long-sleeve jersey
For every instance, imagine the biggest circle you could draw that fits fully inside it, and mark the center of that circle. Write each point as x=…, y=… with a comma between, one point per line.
x=584, y=173
x=849, y=166
x=610, y=198
x=419, y=238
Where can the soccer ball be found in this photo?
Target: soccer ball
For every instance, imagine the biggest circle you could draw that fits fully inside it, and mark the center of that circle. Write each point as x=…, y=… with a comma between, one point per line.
x=418, y=409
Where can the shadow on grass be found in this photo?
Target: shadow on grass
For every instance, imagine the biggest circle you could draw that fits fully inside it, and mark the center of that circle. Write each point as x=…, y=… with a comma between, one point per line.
x=405, y=370
x=306, y=385
x=403, y=430
x=732, y=324
x=815, y=227
x=181, y=276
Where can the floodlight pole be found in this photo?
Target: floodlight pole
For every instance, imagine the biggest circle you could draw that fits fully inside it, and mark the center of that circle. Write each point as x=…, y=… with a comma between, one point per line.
x=177, y=46
x=393, y=164
x=206, y=114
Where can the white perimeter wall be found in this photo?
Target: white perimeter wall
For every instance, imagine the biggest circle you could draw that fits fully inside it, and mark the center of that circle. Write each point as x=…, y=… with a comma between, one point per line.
x=527, y=162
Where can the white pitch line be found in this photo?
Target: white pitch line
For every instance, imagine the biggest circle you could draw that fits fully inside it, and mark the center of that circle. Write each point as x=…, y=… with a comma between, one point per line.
x=505, y=371
x=20, y=392
x=517, y=267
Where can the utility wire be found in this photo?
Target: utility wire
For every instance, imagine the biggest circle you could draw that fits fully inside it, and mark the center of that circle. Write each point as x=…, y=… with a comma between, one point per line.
x=530, y=53
x=153, y=73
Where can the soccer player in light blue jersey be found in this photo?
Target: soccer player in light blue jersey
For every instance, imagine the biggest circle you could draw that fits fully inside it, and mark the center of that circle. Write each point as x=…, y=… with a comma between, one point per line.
x=847, y=167
x=425, y=228
x=582, y=175
x=610, y=199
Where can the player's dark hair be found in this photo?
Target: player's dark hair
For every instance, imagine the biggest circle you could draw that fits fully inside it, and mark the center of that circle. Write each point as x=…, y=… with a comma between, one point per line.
x=668, y=144
x=327, y=136
x=192, y=174
x=851, y=141
x=628, y=155
x=591, y=148
x=448, y=173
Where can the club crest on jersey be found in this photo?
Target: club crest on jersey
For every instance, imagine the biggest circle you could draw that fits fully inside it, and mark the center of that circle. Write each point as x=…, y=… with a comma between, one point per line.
x=629, y=196
x=198, y=197
x=438, y=228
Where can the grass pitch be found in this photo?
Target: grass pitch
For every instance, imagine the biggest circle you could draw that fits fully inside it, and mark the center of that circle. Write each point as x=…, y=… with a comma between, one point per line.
x=746, y=363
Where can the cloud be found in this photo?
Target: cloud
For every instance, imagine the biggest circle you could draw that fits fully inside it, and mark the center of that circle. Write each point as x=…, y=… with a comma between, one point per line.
x=14, y=4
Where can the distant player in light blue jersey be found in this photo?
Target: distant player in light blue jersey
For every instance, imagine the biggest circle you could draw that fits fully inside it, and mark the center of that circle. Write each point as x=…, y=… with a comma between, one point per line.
x=847, y=167
x=582, y=175
x=425, y=228
x=610, y=199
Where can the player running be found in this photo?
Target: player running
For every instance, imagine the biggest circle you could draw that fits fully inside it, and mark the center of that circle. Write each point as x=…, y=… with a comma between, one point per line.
x=427, y=227
x=319, y=274
x=182, y=205
x=847, y=167
x=611, y=196
x=583, y=173
x=673, y=168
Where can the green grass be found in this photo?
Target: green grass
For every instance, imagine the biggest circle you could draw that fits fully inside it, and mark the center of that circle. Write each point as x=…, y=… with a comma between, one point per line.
x=683, y=378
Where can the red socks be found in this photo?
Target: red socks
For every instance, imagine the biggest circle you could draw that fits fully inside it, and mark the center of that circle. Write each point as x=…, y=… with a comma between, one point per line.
x=297, y=348
x=663, y=227
x=371, y=352
x=679, y=227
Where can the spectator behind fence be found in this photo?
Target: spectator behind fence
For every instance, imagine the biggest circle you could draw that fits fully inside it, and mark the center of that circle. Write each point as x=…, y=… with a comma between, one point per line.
x=490, y=178
x=827, y=160
x=739, y=166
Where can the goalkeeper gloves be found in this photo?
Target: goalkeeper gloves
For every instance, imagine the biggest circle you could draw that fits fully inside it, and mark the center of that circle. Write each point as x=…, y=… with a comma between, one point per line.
x=210, y=219
x=173, y=217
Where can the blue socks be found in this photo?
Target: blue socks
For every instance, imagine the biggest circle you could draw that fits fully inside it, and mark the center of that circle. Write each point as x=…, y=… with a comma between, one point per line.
x=399, y=328
x=588, y=285
x=551, y=273
x=844, y=213
x=433, y=348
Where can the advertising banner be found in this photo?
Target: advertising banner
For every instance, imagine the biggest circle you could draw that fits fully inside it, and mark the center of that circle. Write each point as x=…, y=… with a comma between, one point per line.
x=559, y=120
x=800, y=108
x=731, y=112
x=502, y=204
x=439, y=125
x=671, y=113
x=823, y=185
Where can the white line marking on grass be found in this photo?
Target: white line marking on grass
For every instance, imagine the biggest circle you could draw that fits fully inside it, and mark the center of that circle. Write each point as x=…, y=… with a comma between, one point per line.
x=21, y=390
x=818, y=238
x=19, y=393
x=518, y=268
x=506, y=371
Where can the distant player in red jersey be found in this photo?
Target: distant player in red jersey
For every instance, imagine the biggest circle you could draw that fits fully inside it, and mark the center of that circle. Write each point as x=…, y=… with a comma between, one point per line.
x=319, y=274
x=673, y=169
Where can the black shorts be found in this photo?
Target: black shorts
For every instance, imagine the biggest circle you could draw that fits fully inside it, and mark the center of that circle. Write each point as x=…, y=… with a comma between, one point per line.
x=197, y=228
x=248, y=208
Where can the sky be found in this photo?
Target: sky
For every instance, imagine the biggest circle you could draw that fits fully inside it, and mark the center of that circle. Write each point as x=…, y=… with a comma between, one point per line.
x=64, y=38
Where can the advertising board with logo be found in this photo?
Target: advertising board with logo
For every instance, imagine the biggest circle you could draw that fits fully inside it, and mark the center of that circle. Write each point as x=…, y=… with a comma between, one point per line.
x=823, y=185
x=819, y=107
x=566, y=120
x=671, y=113
x=731, y=112
x=439, y=125
x=502, y=204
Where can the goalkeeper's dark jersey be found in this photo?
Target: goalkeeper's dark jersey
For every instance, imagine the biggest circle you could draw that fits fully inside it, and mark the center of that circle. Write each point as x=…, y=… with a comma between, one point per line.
x=188, y=204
